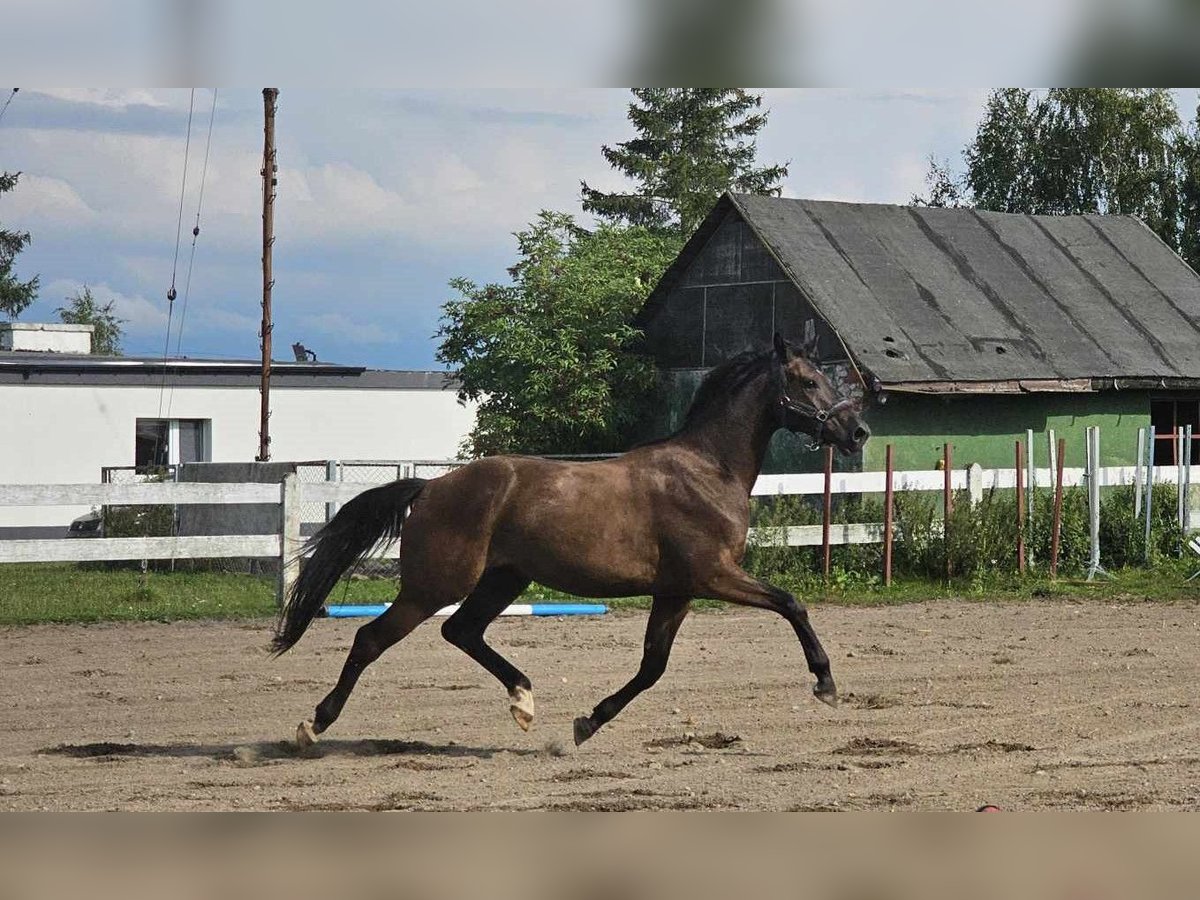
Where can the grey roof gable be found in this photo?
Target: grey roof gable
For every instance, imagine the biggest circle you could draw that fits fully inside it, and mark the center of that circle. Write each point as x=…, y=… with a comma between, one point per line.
x=952, y=295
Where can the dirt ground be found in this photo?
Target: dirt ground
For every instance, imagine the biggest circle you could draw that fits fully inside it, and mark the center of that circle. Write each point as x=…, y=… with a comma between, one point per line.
x=946, y=705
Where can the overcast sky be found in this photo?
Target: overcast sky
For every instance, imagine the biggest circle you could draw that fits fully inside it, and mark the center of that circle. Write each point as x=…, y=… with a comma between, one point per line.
x=384, y=196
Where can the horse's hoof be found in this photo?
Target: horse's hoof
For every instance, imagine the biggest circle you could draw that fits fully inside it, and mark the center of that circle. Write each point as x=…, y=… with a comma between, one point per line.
x=521, y=707
x=826, y=693
x=584, y=729
x=305, y=736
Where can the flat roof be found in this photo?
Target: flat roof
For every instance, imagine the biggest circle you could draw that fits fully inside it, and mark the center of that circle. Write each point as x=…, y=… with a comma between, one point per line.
x=25, y=366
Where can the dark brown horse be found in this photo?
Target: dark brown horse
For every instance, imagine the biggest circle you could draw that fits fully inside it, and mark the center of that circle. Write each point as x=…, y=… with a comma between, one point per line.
x=667, y=519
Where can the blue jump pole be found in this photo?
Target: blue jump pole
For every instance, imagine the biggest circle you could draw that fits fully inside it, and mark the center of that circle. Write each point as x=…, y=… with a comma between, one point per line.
x=347, y=611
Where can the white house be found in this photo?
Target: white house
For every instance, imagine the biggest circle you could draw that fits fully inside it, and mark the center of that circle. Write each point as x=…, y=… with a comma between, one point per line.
x=64, y=414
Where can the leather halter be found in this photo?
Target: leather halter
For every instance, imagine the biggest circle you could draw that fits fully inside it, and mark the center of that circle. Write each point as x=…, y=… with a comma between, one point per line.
x=797, y=413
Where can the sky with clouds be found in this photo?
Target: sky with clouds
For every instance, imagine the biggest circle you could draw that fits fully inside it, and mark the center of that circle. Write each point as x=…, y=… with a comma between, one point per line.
x=383, y=197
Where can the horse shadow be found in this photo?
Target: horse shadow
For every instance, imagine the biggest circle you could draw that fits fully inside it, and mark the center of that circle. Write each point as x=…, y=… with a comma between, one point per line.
x=263, y=752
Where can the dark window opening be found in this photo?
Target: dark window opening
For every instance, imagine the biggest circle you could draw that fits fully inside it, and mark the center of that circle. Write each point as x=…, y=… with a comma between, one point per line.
x=159, y=443
x=1169, y=417
x=150, y=445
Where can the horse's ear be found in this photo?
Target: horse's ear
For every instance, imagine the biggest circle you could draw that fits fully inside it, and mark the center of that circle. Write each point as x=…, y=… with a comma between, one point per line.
x=781, y=348
x=809, y=346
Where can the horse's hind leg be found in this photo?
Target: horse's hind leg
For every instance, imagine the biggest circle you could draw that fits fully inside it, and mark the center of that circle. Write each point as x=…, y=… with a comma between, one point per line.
x=370, y=641
x=666, y=615
x=496, y=590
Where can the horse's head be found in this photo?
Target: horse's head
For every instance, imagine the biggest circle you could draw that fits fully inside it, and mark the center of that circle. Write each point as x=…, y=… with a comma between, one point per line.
x=809, y=403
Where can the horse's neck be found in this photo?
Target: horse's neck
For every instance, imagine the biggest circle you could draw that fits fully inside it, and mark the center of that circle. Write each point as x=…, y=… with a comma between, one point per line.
x=736, y=436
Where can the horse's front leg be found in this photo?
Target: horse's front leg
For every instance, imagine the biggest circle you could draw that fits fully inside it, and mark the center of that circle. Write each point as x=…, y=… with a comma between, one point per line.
x=736, y=586
x=666, y=615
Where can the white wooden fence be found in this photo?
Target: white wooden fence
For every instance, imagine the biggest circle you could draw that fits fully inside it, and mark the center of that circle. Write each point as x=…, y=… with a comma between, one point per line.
x=288, y=495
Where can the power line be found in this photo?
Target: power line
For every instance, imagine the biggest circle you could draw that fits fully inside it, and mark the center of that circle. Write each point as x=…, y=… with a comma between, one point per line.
x=4, y=109
x=174, y=266
x=187, y=282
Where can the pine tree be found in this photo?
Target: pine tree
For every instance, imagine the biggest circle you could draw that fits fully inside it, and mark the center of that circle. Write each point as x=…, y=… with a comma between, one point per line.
x=692, y=144
x=14, y=295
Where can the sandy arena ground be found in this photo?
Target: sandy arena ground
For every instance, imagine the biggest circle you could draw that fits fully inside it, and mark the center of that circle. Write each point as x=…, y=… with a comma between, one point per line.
x=945, y=706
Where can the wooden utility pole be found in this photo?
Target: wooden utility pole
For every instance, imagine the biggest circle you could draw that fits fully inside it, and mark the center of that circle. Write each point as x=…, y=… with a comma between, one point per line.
x=269, y=170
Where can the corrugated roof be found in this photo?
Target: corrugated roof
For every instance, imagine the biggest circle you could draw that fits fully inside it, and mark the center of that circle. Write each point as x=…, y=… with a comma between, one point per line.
x=947, y=295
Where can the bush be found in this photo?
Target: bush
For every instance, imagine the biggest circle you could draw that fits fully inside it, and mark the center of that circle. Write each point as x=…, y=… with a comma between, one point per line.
x=982, y=537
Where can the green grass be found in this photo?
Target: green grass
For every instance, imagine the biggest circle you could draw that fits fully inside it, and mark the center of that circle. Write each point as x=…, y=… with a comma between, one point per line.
x=63, y=592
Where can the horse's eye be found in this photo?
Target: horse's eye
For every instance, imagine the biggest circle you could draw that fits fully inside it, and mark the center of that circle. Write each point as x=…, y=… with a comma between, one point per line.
x=809, y=384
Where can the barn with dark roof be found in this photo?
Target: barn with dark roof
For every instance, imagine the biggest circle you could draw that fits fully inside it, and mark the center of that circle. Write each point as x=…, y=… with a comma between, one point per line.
x=979, y=325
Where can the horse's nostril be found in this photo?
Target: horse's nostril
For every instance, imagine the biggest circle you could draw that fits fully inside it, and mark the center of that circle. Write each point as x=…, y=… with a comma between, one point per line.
x=862, y=433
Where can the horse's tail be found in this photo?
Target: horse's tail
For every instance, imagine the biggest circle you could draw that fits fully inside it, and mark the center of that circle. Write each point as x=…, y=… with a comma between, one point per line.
x=371, y=519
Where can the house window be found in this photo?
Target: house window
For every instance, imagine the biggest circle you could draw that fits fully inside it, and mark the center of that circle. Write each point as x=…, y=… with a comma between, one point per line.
x=169, y=442
x=1169, y=417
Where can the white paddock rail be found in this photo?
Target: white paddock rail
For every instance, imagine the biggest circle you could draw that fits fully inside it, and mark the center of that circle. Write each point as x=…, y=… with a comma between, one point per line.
x=290, y=494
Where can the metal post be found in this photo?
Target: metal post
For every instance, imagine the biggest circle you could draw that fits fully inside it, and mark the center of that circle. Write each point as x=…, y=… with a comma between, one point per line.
x=1031, y=480
x=333, y=473
x=1093, y=476
x=1180, y=448
x=1187, y=484
x=269, y=170
x=289, y=537
x=827, y=512
x=888, y=503
x=1149, y=491
x=1056, y=525
x=1020, y=509
x=1137, y=474
x=947, y=504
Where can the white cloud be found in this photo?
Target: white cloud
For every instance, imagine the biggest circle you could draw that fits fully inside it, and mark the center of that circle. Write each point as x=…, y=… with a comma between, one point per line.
x=39, y=201
x=115, y=98
x=337, y=325
x=223, y=319
x=141, y=317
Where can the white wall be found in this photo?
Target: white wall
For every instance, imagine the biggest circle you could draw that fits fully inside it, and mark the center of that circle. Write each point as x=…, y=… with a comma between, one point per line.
x=52, y=434
x=46, y=338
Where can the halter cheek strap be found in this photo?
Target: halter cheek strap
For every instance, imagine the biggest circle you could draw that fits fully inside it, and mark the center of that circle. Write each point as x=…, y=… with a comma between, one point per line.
x=810, y=412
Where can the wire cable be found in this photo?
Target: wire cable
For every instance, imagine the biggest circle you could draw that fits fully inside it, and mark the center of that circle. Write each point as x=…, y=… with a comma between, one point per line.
x=175, y=265
x=4, y=109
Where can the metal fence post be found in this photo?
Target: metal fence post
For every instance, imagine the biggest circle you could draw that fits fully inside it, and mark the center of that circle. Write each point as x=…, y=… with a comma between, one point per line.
x=1056, y=525
x=333, y=472
x=1180, y=449
x=1019, y=472
x=1092, y=436
x=947, y=504
x=1137, y=474
x=1149, y=490
x=289, y=536
x=1030, y=474
x=1187, y=482
x=826, y=513
x=889, y=499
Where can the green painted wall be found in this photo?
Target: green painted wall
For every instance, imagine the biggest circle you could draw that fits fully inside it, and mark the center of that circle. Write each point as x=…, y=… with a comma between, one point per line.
x=983, y=428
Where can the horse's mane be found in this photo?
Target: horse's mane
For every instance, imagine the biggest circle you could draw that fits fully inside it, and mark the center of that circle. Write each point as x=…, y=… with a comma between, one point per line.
x=725, y=380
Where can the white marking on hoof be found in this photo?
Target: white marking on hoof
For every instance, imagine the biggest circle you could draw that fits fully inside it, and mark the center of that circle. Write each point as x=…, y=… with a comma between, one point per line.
x=305, y=736
x=521, y=706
